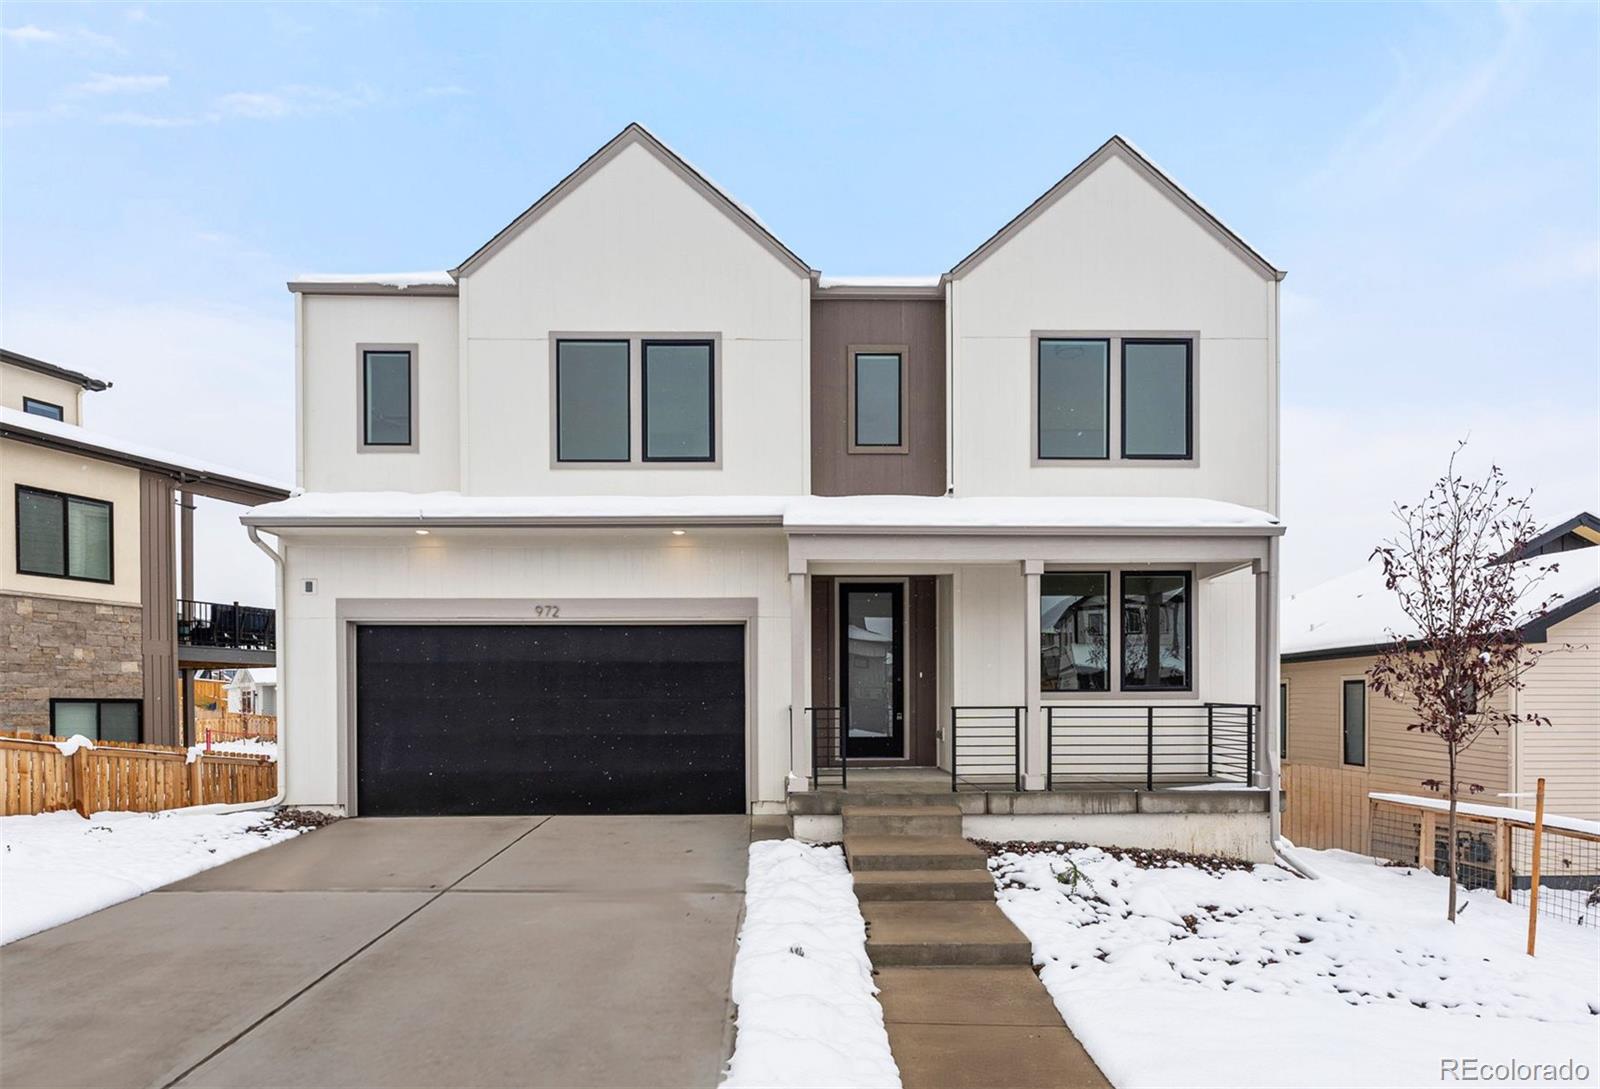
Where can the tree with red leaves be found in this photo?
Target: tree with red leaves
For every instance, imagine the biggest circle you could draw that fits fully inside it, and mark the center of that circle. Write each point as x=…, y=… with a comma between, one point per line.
x=1456, y=567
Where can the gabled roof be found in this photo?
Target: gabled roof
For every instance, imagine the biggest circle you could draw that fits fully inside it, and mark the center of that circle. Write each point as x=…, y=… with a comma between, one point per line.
x=1119, y=148
x=1582, y=530
x=27, y=362
x=637, y=134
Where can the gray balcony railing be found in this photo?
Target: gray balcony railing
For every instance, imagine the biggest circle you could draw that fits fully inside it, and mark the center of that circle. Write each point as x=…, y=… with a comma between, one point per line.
x=1151, y=745
x=226, y=626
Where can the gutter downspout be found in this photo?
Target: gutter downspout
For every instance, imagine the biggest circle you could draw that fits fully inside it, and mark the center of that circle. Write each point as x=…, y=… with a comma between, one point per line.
x=283, y=704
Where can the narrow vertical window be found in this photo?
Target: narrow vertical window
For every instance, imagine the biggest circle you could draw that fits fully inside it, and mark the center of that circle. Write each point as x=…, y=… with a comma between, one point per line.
x=43, y=408
x=877, y=385
x=1073, y=398
x=1157, y=399
x=387, y=397
x=1074, y=636
x=678, y=403
x=1283, y=720
x=592, y=403
x=1155, y=631
x=1355, y=723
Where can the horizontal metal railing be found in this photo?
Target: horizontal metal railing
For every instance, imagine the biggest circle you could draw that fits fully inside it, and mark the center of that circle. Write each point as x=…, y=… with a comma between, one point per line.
x=830, y=755
x=1151, y=745
x=232, y=626
x=986, y=747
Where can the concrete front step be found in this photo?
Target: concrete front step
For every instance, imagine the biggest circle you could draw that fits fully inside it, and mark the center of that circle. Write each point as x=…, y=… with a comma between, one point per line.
x=903, y=885
x=902, y=820
x=868, y=853
x=928, y=934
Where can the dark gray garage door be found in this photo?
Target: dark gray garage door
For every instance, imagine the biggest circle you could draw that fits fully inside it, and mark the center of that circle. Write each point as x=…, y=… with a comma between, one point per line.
x=550, y=718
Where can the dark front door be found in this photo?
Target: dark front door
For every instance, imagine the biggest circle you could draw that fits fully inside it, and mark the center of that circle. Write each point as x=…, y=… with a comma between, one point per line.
x=550, y=718
x=872, y=668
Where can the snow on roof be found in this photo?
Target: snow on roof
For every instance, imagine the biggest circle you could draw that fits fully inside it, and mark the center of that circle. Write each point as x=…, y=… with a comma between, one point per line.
x=398, y=280
x=825, y=281
x=809, y=512
x=45, y=428
x=1356, y=610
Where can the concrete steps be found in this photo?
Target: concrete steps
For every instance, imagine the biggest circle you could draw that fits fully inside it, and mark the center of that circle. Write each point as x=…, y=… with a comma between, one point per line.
x=937, y=885
x=867, y=853
x=902, y=820
x=927, y=933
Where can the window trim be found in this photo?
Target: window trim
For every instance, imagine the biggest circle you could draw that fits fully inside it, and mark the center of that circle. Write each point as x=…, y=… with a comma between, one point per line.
x=1116, y=693
x=66, y=557
x=1114, y=434
x=138, y=706
x=1188, y=396
x=30, y=403
x=645, y=344
x=555, y=399
x=362, y=445
x=1366, y=722
x=1039, y=456
x=852, y=446
x=1188, y=634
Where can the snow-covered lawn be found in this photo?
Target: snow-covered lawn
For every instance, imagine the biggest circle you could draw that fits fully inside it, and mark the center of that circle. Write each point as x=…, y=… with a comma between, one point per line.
x=802, y=980
x=55, y=867
x=1175, y=976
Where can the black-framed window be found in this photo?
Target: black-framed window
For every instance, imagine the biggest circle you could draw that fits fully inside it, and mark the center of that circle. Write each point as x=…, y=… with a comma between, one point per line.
x=98, y=720
x=1074, y=631
x=878, y=381
x=47, y=409
x=1353, y=721
x=386, y=397
x=678, y=404
x=63, y=536
x=592, y=401
x=1157, y=398
x=1155, y=631
x=1073, y=398
x=1283, y=720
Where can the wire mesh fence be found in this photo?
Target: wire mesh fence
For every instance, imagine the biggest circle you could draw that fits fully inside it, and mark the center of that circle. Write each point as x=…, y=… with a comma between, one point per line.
x=1569, y=874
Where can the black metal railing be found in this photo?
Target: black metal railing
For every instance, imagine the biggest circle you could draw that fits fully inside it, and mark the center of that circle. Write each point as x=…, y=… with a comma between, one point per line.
x=829, y=753
x=986, y=747
x=232, y=626
x=1152, y=745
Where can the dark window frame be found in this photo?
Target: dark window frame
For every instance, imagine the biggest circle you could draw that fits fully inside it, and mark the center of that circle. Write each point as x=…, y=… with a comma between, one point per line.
x=1111, y=584
x=365, y=443
x=66, y=542
x=627, y=392
x=1283, y=720
x=31, y=405
x=1038, y=397
x=853, y=443
x=1344, y=722
x=645, y=344
x=138, y=707
x=1122, y=632
x=1188, y=394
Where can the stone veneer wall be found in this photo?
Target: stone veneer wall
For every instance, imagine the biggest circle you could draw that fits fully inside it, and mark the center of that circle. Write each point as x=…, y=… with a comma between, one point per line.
x=58, y=648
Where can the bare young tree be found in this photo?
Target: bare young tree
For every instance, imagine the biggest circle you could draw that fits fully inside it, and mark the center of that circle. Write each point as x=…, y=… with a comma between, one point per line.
x=1465, y=608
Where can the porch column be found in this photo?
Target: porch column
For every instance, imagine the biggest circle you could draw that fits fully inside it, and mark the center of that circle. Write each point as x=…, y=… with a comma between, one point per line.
x=800, y=770
x=1033, y=750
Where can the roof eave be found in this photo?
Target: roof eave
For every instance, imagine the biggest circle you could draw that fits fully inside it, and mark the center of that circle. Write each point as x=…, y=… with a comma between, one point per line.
x=237, y=489
x=27, y=362
x=374, y=287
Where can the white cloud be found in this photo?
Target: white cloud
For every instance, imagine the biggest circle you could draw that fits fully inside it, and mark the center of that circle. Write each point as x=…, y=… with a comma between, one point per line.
x=74, y=37
x=135, y=119
x=102, y=84
x=290, y=101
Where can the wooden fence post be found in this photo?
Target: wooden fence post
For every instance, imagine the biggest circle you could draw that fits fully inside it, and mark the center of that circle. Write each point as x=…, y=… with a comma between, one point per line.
x=1502, y=860
x=197, y=781
x=82, y=783
x=1425, y=841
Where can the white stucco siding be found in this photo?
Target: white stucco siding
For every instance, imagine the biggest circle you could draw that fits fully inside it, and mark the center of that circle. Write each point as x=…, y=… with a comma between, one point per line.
x=331, y=327
x=1115, y=255
x=636, y=249
x=510, y=566
x=989, y=635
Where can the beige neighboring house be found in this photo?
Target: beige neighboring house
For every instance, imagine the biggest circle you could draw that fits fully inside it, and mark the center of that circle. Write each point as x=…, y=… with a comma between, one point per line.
x=1342, y=740
x=97, y=621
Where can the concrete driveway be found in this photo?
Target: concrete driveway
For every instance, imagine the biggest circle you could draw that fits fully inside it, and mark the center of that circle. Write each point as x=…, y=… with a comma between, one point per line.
x=459, y=951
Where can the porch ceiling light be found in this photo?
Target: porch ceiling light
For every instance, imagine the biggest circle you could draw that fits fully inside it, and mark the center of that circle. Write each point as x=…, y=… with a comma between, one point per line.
x=422, y=533
x=679, y=532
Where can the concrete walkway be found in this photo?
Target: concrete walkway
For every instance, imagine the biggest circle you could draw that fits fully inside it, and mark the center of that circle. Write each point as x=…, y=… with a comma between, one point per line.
x=526, y=951
x=960, y=1000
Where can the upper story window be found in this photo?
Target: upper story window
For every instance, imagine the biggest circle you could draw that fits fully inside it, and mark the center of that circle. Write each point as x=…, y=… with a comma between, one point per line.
x=634, y=400
x=43, y=408
x=679, y=400
x=592, y=402
x=388, y=397
x=63, y=536
x=1087, y=410
x=877, y=399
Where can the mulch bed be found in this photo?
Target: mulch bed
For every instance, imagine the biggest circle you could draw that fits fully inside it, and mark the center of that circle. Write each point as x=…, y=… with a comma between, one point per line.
x=303, y=819
x=1145, y=858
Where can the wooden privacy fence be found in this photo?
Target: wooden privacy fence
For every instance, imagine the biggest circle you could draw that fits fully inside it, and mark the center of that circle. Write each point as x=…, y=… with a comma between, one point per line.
x=235, y=726
x=36, y=777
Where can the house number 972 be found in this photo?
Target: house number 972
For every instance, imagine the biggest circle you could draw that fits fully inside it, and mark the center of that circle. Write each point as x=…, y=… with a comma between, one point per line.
x=546, y=612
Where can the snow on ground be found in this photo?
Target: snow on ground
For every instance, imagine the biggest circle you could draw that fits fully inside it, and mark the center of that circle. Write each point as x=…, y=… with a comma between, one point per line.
x=802, y=980
x=55, y=867
x=1179, y=977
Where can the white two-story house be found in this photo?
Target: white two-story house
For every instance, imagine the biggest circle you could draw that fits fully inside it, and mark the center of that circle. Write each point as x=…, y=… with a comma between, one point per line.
x=635, y=511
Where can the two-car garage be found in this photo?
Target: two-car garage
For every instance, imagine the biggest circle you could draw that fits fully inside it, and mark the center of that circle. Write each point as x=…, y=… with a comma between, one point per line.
x=549, y=718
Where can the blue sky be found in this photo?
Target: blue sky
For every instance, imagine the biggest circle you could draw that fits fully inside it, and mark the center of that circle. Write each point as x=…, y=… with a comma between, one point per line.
x=1428, y=174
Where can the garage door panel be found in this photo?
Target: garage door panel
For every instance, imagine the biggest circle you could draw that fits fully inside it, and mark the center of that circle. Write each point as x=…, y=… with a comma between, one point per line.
x=550, y=719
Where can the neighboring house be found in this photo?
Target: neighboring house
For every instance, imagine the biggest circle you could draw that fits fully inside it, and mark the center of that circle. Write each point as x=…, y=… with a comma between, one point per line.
x=632, y=508
x=97, y=631
x=253, y=691
x=1344, y=740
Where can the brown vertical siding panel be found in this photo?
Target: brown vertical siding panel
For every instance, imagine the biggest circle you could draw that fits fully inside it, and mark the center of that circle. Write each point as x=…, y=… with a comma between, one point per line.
x=158, y=595
x=824, y=689
x=923, y=660
x=919, y=325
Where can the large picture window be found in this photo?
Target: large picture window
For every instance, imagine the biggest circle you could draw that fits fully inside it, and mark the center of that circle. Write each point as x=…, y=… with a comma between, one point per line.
x=1073, y=398
x=98, y=720
x=63, y=536
x=1155, y=631
x=1353, y=716
x=592, y=402
x=388, y=398
x=1074, y=631
x=1156, y=395
x=678, y=405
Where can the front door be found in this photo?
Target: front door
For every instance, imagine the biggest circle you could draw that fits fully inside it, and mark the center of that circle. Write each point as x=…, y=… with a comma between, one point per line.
x=872, y=668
